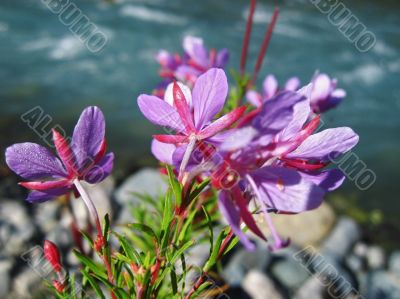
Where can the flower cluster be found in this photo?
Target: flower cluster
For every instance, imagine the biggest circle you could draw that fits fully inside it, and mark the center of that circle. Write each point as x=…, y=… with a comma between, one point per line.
x=186, y=68
x=274, y=158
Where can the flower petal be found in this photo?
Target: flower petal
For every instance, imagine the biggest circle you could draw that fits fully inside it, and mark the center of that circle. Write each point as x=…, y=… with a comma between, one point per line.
x=232, y=216
x=322, y=87
x=46, y=185
x=327, y=144
x=33, y=161
x=292, y=84
x=222, y=123
x=163, y=151
x=172, y=139
x=194, y=47
x=301, y=112
x=328, y=180
x=169, y=95
x=160, y=112
x=277, y=113
x=286, y=190
x=101, y=170
x=65, y=152
x=182, y=107
x=270, y=87
x=88, y=136
x=209, y=95
x=222, y=58
x=42, y=196
x=254, y=98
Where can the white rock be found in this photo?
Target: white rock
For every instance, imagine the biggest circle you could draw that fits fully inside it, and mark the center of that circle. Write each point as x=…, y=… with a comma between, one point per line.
x=146, y=181
x=260, y=286
x=311, y=289
x=5, y=267
x=17, y=227
x=375, y=257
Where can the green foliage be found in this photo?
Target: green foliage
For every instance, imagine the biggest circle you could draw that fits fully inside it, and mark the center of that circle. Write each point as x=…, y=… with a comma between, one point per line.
x=150, y=259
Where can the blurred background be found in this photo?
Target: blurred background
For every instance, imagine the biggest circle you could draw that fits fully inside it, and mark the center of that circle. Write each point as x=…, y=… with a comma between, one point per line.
x=43, y=64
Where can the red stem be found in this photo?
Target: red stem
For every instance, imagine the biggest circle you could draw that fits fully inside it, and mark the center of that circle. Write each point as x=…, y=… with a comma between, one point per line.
x=265, y=43
x=247, y=36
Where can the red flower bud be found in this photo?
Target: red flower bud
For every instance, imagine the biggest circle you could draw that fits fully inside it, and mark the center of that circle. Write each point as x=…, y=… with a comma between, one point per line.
x=52, y=254
x=59, y=286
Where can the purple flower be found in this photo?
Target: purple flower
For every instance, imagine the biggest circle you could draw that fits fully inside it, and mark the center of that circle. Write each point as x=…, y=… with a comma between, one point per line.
x=280, y=161
x=197, y=59
x=190, y=114
x=84, y=159
x=269, y=89
x=324, y=94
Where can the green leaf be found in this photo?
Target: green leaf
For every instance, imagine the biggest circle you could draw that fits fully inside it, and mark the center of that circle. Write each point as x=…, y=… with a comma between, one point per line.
x=176, y=187
x=199, y=188
x=88, y=238
x=181, y=250
x=94, y=285
x=106, y=227
x=174, y=283
x=144, y=228
x=210, y=228
x=132, y=254
x=214, y=254
x=96, y=269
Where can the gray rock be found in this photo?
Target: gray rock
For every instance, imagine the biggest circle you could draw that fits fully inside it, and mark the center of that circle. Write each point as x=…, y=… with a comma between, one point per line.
x=355, y=263
x=5, y=267
x=312, y=288
x=382, y=284
x=26, y=284
x=360, y=249
x=146, y=181
x=375, y=257
x=345, y=234
x=60, y=236
x=290, y=273
x=336, y=279
x=243, y=261
x=16, y=227
x=394, y=263
x=260, y=286
x=46, y=215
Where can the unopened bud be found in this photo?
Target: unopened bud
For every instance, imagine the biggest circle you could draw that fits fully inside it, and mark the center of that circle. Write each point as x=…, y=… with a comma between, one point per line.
x=52, y=255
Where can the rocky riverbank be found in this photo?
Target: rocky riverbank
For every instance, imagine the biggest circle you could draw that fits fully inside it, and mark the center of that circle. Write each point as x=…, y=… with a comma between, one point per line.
x=328, y=255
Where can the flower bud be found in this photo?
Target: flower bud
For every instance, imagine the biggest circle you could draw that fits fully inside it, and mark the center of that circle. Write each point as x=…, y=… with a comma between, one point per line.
x=59, y=286
x=52, y=254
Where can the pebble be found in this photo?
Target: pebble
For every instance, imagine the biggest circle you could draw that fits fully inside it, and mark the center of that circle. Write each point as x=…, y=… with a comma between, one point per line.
x=5, y=268
x=290, y=273
x=394, y=263
x=26, y=284
x=146, y=181
x=243, y=261
x=304, y=229
x=375, y=257
x=312, y=288
x=16, y=227
x=383, y=285
x=259, y=286
x=345, y=234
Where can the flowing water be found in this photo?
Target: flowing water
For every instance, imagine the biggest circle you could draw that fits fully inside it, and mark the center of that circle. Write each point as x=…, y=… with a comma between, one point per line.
x=42, y=63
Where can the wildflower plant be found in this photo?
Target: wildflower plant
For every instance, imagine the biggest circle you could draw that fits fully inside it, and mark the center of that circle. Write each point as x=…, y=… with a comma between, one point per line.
x=227, y=153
